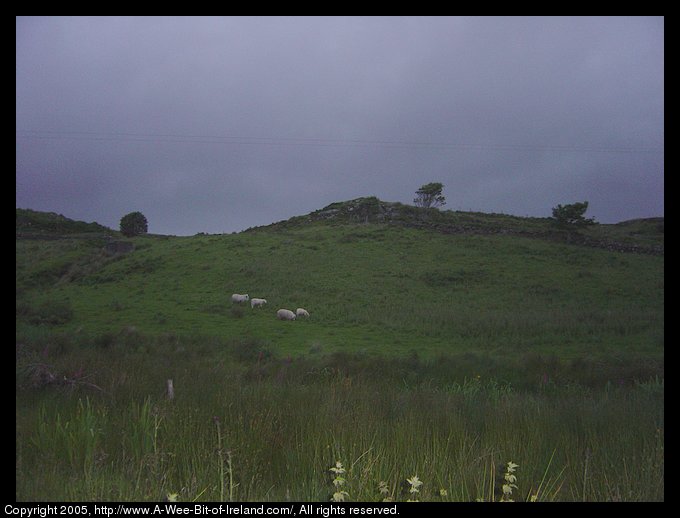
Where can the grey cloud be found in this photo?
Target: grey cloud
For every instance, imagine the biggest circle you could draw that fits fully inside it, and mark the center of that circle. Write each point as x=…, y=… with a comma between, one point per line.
x=219, y=124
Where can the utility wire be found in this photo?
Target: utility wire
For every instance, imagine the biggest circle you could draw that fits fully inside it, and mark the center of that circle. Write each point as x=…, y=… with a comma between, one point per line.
x=317, y=142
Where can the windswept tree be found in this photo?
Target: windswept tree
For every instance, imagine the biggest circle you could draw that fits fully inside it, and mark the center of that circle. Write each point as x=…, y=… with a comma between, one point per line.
x=571, y=217
x=430, y=195
x=133, y=224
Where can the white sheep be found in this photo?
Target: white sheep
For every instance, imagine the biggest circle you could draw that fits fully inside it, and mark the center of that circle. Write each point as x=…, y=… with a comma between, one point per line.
x=239, y=298
x=301, y=312
x=257, y=302
x=285, y=314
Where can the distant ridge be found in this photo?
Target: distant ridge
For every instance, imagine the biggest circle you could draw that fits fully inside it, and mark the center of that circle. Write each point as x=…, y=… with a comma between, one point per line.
x=33, y=223
x=644, y=235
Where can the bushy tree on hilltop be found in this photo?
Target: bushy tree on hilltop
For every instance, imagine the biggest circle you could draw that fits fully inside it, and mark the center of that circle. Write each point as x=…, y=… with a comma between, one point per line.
x=571, y=217
x=430, y=195
x=133, y=224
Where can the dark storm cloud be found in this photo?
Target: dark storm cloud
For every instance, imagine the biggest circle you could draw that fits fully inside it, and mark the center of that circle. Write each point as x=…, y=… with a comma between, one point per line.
x=219, y=124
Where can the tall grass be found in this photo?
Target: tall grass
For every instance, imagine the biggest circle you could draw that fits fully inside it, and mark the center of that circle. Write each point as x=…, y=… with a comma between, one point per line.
x=270, y=429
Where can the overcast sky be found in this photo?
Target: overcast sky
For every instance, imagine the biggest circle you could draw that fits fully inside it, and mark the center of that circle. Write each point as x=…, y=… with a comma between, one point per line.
x=220, y=124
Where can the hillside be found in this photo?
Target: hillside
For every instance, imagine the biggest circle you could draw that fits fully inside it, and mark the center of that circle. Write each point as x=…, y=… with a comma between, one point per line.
x=638, y=236
x=445, y=353
x=376, y=277
x=32, y=223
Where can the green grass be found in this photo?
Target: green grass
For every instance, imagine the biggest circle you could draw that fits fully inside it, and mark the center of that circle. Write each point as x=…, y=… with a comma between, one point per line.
x=441, y=356
x=377, y=288
x=270, y=429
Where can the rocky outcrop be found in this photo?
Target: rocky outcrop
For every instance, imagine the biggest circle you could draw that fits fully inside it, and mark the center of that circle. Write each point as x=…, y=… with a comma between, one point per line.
x=372, y=210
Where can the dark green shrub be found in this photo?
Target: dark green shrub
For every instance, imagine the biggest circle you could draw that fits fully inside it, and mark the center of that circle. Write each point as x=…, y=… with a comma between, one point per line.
x=133, y=224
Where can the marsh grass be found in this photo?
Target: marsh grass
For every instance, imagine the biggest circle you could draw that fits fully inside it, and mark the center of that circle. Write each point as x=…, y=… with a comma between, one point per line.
x=73, y=438
x=232, y=435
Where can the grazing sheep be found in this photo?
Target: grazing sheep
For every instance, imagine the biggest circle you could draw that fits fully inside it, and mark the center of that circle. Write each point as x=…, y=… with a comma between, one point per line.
x=301, y=312
x=257, y=302
x=239, y=298
x=285, y=314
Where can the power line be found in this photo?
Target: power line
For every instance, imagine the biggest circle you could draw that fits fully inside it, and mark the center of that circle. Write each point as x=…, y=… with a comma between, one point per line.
x=317, y=142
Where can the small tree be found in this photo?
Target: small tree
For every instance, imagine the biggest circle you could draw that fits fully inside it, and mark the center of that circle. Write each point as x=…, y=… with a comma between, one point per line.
x=133, y=224
x=430, y=195
x=570, y=217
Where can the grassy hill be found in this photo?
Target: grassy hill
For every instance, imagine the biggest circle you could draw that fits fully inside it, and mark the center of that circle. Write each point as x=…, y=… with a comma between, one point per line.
x=37, y=224
x=442, y=344
x=376, y=286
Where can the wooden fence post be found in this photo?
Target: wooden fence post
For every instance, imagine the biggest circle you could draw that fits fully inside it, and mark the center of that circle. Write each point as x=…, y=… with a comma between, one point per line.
x=170, y=390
